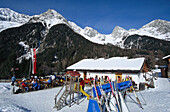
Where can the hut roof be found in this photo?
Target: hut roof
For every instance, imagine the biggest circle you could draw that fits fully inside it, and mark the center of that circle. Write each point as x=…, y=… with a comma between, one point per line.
x=111, y=64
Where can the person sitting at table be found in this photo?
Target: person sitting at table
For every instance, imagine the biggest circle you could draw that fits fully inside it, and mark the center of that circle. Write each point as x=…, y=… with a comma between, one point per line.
x=31, y=79
x=35, y=85
x=53, y=77
x=23, y=86
x=49, y=81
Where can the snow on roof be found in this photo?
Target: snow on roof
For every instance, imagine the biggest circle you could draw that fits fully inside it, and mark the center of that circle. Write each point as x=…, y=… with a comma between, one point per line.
x=166, y=57
x=114, y=63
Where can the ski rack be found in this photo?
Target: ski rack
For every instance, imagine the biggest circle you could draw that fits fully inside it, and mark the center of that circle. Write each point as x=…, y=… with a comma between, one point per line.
x=122, y=87
x=119, y=92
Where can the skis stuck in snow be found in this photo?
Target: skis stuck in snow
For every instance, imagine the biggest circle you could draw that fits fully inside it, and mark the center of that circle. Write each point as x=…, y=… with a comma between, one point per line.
x=111, y=97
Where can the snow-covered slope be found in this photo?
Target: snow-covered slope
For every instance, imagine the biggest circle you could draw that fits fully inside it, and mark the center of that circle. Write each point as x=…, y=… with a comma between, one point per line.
x=7, y=24
x=159, y=29
x=9, y=15
x=9, y=19
x=156, y=100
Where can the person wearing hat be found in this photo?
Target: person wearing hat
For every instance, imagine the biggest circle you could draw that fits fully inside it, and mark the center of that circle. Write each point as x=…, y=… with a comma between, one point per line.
x=23, y=85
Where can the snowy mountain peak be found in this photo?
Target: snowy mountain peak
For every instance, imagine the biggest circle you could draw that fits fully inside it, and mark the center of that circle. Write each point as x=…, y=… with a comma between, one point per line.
x=119, y=32
x=52, y=11
x=157, y=23
x=52, y=14
x=90, y=32
x=7, y=14
x=118, y=29
x=49, y=18
x=159, y=29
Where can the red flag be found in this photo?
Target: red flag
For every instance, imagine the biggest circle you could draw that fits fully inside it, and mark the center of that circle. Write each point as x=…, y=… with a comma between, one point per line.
x=33, y=52
x=16, y=68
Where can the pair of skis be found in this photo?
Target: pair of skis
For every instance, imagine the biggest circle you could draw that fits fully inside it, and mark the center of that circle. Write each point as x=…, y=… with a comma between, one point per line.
x=120, y=103
x=117, y=100
x=96, y=92
x=139, y=103
x=105, y=97
x=98, y=99
x=114, y=95
x=103, y=94
x=116, y=105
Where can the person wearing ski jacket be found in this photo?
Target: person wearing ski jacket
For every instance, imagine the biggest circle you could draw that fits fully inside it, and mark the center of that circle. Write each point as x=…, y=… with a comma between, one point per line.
x=35, y=85
x=23, y=85
x=13, y=79
x=96, y=79
x=119, y=79
x=49, y=80
x=82, y=83
x=102, y=80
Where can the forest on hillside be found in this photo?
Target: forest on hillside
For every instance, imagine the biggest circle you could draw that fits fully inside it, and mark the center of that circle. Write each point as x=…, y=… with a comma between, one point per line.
x=62, y=47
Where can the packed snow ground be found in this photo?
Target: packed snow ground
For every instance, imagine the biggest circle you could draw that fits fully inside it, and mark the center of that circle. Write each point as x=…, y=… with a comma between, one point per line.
x=157, y=100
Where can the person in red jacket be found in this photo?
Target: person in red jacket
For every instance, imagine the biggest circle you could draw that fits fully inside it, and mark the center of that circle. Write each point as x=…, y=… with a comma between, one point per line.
x=82, y=83
x=23, y=86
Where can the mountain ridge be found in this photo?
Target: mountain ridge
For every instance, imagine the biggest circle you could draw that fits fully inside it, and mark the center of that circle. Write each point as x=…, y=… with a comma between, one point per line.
x=159, y=29
x=60, y=43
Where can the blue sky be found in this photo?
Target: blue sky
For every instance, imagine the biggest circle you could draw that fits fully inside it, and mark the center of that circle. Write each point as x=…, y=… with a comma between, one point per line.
x=102, y=15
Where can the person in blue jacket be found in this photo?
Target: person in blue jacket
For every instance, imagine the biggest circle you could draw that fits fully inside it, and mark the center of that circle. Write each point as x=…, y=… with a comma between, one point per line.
x=13, y=79
x=49, y=81
x=35, y=85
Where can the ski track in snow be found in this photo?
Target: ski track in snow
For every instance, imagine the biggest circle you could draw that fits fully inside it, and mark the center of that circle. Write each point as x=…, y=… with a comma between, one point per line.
x=157, y=100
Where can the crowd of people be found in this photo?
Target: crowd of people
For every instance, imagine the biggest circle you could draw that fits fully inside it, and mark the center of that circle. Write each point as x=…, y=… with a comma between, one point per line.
x=97, y=80
x=36, y=83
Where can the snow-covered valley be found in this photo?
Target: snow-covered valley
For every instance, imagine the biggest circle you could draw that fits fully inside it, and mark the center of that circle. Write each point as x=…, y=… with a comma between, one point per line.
x=157, y=100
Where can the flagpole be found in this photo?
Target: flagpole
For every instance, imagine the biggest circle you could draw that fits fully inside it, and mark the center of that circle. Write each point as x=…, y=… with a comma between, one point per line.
x=30, y=65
